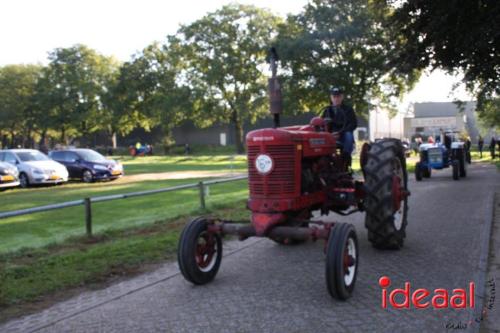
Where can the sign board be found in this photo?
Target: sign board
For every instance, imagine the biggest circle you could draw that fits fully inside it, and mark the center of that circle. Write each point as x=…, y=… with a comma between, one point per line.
x=445, y=122
x=223, y=140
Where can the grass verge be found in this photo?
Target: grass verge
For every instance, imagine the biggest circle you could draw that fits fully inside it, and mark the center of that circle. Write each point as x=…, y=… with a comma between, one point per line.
x=42, y=229
x=156, y=164
x=32, y=279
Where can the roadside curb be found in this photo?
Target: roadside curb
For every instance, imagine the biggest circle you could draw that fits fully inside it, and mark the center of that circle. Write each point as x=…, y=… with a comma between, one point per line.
x=482, y=266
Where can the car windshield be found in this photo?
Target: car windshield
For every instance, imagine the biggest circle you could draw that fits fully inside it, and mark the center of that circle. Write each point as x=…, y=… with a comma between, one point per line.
x=91, y=156
x=27, y=156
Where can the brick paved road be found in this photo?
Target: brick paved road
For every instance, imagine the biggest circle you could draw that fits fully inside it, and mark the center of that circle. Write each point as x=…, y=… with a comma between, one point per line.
x=263, y=287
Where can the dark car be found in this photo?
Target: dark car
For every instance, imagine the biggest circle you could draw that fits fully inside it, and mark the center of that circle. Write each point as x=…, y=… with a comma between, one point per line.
x=87, y=164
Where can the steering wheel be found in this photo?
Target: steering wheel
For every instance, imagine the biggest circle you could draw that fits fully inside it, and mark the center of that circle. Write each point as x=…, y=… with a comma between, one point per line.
x=340, y=119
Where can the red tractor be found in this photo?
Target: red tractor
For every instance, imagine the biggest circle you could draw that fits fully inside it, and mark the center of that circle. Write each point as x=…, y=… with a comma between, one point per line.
x=293, y=171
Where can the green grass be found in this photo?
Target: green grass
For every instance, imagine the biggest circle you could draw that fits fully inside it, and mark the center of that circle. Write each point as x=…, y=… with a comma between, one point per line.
x=32, y=274
x=41, y=229
x=155, y=164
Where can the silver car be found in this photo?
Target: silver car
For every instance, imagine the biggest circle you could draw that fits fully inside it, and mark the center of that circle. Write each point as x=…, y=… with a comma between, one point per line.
x=8, y=176
x=34, y=167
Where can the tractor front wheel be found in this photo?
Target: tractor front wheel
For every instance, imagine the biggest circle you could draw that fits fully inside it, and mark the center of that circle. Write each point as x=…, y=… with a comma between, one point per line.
x=199, y=252
x=341, y=261
x=386, y=202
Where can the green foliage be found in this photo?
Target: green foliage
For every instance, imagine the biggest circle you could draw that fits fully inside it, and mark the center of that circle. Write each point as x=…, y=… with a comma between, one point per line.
x=17, y=109
x=340, y=43
x=223, y=57
x=75, y=82
x=145, y=93
x=456, y=36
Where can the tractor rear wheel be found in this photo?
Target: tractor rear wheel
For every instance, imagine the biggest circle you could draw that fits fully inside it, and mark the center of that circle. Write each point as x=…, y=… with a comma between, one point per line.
x=341, y=261
x=418, y=172
x=462, y=163
x=199, y=252
x=427, y=172
x=386, y=202
x=455, y=166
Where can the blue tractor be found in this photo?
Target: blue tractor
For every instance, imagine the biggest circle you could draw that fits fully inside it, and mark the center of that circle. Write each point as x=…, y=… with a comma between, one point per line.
x=452, y=153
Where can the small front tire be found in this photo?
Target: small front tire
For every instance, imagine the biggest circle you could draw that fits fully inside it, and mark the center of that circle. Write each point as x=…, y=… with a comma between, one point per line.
x=341, y=261
x=199, y=252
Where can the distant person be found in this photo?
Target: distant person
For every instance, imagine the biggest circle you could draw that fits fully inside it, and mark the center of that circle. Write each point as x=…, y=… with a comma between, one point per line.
x=468, y=146
x=493, y=144
x=187, y=149
x=480, y=145
x=430, y=139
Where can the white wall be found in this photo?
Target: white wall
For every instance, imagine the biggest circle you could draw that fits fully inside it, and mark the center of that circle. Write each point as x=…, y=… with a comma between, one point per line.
x=383, y=126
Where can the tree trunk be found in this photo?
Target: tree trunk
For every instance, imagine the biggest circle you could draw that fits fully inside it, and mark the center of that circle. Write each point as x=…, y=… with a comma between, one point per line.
x=63, y=135
x=113, y=140
x=12, y=140
x=238, y=133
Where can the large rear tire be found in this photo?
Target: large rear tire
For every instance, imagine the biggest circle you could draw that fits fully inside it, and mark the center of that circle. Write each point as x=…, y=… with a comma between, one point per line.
x=455, y=165
x=418, y=172
x=199, y=252
x=341, y=261
x=462, y=163
x=386, y=202
x=427, y=172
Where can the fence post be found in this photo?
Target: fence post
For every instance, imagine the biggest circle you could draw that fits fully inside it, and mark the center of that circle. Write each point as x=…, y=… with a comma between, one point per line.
x=201, y=188
x=88, y=217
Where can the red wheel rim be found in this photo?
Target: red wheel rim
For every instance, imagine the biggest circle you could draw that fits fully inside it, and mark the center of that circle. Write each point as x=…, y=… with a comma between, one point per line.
x=205, y=251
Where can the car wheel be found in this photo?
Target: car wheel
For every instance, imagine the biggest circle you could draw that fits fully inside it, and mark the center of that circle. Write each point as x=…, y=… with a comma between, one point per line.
x=23, y=180
x=87, y=176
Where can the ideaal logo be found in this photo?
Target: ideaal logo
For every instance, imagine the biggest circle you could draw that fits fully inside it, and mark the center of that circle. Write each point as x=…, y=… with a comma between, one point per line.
x=421, y=298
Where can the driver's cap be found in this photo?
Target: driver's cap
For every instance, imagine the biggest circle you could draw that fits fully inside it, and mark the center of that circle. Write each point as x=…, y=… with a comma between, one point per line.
x=335, y=91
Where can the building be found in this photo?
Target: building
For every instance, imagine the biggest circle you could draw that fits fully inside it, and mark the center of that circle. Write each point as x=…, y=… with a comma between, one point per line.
x=223, y=134
x=429, y=118
x=383, y=125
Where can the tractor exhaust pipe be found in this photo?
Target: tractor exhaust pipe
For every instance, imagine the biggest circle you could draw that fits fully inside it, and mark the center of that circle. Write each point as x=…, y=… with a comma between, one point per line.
x=276, y=100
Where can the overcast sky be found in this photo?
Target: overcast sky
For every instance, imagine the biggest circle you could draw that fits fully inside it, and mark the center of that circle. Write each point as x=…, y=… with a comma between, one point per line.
x=29, y=29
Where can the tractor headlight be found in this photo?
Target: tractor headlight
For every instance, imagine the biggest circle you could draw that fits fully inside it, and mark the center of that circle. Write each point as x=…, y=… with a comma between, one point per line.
x=264, y=164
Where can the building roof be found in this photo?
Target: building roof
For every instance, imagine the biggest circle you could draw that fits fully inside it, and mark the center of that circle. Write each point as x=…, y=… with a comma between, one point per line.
x=441, y=109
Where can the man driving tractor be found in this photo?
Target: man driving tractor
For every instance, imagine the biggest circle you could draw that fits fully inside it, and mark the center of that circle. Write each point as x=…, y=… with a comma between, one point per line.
x=343, y=121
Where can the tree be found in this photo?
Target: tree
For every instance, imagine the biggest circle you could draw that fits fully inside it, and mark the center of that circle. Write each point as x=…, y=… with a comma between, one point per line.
x=340, y=43
x=453, y=35
x=75, y=82
x=223, y=57
x=145, y=94
x=17, y=111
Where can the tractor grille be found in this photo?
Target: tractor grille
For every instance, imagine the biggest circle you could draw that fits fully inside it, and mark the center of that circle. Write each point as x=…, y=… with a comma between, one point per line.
x=281, y=180
x=435, y=155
